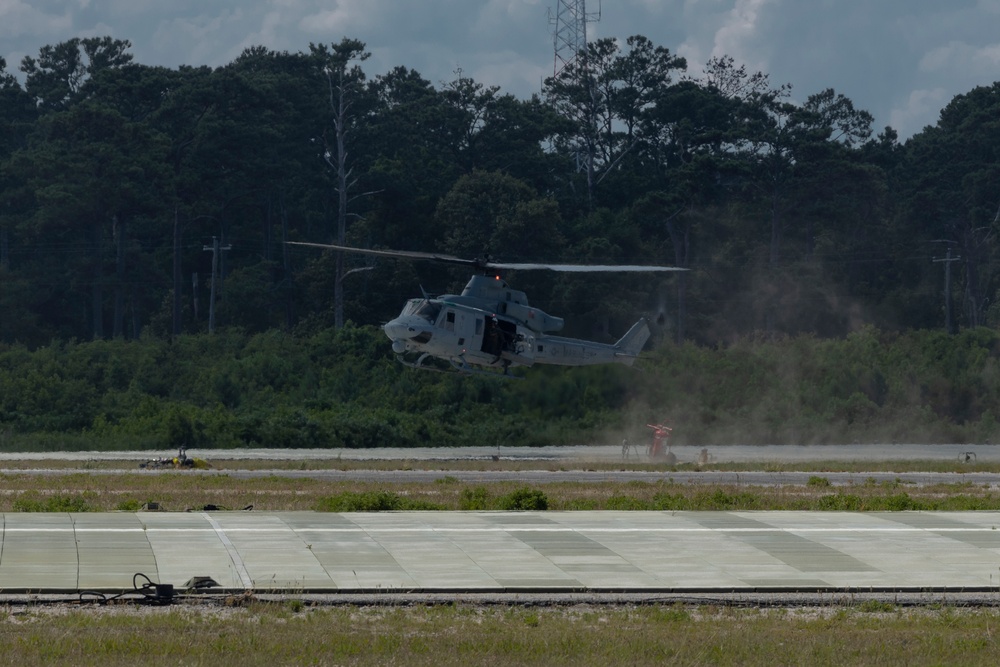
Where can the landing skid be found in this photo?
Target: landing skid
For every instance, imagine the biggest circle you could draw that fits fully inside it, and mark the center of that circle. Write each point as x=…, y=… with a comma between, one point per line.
x=462, y=367
x=418, y=364
x=457, y=365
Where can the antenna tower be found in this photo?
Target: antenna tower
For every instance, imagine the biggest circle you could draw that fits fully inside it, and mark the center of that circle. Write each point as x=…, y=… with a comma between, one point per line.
x=570, y=32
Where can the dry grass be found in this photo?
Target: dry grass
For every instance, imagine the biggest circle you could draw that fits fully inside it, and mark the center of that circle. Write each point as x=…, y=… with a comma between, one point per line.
x=448, y=465
x=184, y=490
x=290, y=634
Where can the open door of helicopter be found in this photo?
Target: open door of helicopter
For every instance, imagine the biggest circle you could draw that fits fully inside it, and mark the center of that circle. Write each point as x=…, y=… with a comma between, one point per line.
x=498, y=336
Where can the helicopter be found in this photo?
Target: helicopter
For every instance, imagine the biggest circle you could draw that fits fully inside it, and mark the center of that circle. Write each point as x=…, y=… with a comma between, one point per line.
x=490, y=328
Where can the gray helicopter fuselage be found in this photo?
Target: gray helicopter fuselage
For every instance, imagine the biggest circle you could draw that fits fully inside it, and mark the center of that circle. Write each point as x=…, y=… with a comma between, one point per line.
x=490, y=324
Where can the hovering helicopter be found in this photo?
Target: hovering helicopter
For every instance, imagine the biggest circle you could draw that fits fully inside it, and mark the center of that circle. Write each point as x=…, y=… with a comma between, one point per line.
x=490, y=327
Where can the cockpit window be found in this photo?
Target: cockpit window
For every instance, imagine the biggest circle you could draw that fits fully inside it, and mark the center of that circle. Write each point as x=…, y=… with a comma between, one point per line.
x=411, y=307
x=429, y=311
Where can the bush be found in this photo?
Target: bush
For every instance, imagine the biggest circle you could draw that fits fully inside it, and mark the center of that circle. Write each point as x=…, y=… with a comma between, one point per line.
x=525, y=500
x=371, y=501
x=56, y=503
x=474, y=499
x=841, y=502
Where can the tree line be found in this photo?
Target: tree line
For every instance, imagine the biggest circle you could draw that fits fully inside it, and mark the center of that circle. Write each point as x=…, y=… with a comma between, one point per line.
x=341, y=388
x=139, y=200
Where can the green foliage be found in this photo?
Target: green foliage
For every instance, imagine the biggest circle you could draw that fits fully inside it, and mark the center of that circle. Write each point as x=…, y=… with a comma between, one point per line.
x=524, y=499
x=374, y=501
x=876, y=607
x=475, y=499
x=129, y=505
x=624, y=502
x=53, y=503
x=341, y=389
x=720, y=499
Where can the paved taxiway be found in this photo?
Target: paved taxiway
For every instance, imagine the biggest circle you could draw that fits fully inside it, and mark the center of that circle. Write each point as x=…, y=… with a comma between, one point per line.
x=504, y=552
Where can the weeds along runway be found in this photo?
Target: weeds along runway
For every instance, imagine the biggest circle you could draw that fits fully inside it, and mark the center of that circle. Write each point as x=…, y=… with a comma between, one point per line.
x=986, y=480
x=554, y=464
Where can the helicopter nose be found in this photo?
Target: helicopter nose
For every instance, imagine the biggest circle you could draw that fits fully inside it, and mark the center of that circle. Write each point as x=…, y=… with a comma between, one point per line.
x=398, y=331
x=401, y=330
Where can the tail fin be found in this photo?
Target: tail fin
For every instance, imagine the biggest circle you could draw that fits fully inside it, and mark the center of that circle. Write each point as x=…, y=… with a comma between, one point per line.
x=628, y=348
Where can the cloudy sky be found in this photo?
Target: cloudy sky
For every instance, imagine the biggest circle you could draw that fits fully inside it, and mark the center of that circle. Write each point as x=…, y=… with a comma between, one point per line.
x=902, y=60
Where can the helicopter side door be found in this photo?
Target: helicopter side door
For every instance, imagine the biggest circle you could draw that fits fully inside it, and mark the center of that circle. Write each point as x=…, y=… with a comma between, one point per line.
x=457, y=331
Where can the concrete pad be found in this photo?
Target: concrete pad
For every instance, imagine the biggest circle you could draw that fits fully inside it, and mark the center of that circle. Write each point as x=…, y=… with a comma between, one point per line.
x=503, y=551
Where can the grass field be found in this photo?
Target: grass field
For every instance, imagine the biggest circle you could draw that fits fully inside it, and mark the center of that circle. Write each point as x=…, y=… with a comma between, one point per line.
x=460, y=634
x=71, y=486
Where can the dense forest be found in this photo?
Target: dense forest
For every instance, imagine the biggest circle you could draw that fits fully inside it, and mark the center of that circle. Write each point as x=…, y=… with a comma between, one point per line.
x=143, y=206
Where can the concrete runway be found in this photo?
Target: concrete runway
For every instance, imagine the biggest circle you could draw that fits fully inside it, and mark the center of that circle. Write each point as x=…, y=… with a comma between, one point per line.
x=524, y=554
x=504, y=552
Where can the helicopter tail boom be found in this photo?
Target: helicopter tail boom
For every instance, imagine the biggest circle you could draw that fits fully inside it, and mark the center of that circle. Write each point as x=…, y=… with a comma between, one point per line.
x=575, y=352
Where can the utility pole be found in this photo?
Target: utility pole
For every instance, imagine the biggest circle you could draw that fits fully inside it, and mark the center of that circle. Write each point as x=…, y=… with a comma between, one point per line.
x=215, y=248
x=175, y=319
x=947, y=260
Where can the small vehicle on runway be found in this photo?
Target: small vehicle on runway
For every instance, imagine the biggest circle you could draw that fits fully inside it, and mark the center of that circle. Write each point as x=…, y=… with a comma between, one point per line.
x=182, y=460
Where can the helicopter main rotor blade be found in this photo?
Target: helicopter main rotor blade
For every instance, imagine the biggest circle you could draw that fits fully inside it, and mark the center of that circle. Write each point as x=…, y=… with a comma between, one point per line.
x=395, y=254
x=581, y=268
x=486, y=264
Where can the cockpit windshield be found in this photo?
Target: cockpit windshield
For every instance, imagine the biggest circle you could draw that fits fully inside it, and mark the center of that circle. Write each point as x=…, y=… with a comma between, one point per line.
x=428, y=310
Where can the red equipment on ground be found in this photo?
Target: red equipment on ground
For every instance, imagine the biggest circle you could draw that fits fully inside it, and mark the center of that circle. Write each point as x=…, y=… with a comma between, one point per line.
x=661, y=434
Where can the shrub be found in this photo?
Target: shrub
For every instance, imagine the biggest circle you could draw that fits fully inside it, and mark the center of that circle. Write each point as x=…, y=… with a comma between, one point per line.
x=721, y=500
x=841, y=502
x=474, y=499
x=56, y=503
x=371, y=501
x=524, y=499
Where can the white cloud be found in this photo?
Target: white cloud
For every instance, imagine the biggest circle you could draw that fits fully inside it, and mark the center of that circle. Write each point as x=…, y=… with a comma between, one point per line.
x=741, y=26
x=921, y=108
x=958, y=59
x=18, y=18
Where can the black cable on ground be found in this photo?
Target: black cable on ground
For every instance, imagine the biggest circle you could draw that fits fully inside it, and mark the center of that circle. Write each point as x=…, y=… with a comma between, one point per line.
x=148, y=592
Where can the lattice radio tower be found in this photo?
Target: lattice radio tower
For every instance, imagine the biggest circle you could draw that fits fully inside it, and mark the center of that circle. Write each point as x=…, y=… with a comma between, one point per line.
x=570, y=30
